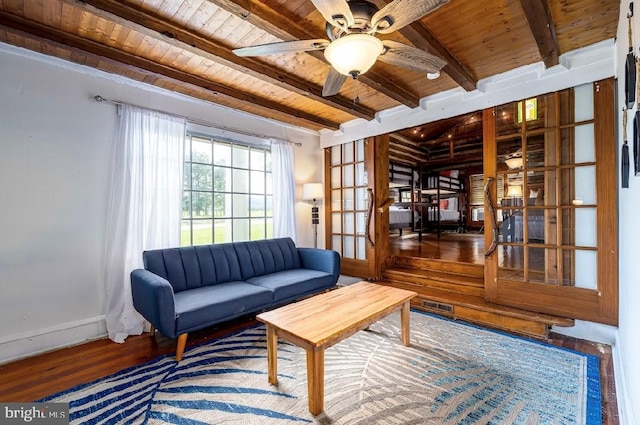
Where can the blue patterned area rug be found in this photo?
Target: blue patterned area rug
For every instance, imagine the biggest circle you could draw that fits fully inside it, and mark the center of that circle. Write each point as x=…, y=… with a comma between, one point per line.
x=453, y=373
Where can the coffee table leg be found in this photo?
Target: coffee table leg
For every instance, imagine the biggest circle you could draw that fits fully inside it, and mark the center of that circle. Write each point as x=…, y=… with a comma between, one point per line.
x=272, y=354
x=404, y=323
x=315, y=380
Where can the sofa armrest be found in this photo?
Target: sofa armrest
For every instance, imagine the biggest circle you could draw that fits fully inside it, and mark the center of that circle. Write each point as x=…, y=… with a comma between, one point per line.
x=324, y=260
x=153, y=299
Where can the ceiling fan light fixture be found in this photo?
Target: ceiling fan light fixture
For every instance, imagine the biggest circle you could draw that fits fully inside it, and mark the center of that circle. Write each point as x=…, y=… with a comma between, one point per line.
x=353, y=54
x=433, y=75
x=515, y=162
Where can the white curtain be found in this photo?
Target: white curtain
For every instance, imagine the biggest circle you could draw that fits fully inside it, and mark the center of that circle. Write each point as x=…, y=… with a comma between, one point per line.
x=284, y=189
x=145, y=205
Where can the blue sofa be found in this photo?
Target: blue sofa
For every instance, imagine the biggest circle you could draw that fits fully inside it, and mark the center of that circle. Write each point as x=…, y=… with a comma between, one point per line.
x=185, y=289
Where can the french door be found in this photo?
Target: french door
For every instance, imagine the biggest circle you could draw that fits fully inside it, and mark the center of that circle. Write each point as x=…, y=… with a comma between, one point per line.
x=353, y=226
x=551, y=236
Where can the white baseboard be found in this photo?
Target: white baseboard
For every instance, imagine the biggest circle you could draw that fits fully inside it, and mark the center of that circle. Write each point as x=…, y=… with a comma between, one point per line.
x=624, y=400
x=27, y=344
x=590, y=331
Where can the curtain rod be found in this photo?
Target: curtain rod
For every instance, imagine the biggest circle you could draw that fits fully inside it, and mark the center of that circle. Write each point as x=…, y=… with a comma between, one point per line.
x=101, y=99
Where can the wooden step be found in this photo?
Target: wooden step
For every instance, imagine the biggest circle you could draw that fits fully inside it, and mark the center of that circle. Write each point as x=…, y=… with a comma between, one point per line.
x=463, y=269
x=476, y=309
x=471, y=285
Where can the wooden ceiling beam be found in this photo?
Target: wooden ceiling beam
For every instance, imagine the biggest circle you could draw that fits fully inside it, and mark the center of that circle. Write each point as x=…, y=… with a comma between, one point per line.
x=403, y=158
x=419, y=156
x=404, y=140
x=423, y=39
x=42, y=32
x=465, y=137
x=459, y=161
x=543, y=30
x=269, y=20
x=183, y=38
x=410, y=151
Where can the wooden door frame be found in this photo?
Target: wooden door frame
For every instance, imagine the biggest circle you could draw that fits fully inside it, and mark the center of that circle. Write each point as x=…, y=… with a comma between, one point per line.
x=377, y=171
x=600, y=305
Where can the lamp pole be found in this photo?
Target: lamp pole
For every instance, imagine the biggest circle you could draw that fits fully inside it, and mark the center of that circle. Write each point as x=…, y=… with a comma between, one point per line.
x=315, y=220
x=313, y=192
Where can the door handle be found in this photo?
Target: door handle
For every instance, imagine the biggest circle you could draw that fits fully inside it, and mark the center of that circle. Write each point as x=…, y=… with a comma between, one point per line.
x=492, y=214
x=367, y=233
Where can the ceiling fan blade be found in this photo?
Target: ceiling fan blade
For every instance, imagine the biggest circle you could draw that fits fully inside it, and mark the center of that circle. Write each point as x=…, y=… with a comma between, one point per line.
x=283, y=46
x=400, y=13
x=333, y=83
x=410, y=57
x=336, y=12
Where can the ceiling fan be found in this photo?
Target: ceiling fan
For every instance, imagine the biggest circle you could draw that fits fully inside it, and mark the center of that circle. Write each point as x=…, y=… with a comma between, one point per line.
x=353, y=47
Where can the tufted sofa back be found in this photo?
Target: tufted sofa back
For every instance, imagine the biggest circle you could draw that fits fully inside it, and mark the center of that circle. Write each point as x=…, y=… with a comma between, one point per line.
x=194, y=266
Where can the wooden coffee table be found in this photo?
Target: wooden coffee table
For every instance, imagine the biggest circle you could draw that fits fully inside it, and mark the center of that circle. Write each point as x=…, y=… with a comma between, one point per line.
x=321, y=321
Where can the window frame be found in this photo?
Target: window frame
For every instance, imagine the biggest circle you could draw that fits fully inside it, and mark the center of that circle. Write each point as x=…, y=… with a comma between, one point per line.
x=230, y=194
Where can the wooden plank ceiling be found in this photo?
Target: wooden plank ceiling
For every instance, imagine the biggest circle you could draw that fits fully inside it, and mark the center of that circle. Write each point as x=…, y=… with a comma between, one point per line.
x=185, y=46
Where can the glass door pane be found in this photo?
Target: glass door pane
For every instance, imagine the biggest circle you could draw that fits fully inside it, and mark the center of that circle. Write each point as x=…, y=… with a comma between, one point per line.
x=555, y=179
x=547, y=173
x=348, y=199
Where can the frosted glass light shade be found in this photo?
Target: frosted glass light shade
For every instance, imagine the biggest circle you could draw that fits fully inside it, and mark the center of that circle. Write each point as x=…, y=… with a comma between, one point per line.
x=312, y=191
x=513, y=163
x=514, y=191
x=353, y=54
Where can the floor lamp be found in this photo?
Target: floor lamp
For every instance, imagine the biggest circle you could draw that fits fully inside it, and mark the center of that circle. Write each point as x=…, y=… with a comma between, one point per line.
x=313, y=192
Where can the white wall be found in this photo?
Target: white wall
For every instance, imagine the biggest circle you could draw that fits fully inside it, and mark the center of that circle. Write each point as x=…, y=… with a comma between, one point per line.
x=55, y=150
x=309, y=163
x=627, y=348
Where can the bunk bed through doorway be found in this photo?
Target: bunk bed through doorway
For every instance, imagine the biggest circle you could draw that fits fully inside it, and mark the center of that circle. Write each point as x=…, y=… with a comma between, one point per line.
x=443, y=202
x=403, y=214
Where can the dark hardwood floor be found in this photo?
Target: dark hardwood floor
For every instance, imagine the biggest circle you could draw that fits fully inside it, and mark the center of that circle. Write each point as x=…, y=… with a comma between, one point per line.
x=39, y=376
x=457, y=247
x=42, y=375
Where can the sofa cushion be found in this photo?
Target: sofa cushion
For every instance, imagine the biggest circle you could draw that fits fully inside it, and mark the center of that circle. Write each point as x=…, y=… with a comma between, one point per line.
x=212, y=304
x=289, y=284
x=192, y=267
x=267, y=256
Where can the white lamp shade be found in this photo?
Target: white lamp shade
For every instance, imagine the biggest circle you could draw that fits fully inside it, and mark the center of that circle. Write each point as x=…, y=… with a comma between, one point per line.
x=514, y=163
x=514, y=191
x=312, y=191
x=353, y=53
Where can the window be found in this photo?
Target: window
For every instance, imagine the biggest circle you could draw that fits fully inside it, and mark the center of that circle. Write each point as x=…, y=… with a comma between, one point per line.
x=227, y=194
x=476, y=195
